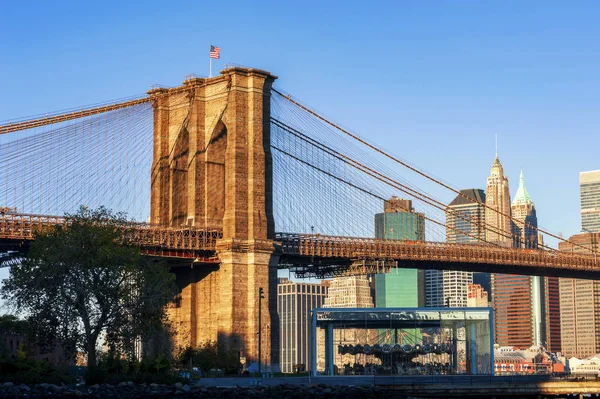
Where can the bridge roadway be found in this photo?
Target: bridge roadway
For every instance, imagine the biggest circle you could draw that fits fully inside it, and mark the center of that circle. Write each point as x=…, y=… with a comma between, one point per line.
x=320, y=255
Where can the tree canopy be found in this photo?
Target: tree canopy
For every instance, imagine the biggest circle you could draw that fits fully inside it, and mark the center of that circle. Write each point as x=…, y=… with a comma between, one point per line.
x=82, y=282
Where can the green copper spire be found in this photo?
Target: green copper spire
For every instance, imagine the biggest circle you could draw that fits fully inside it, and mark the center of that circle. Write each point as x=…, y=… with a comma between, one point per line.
x=522, y=196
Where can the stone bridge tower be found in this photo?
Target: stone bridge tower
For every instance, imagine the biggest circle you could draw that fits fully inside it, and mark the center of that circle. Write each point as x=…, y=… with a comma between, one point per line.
x=212, y=170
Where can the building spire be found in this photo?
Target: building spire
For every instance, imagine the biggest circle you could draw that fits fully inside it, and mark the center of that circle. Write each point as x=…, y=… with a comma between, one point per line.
x=522, y=196
x=496, y=145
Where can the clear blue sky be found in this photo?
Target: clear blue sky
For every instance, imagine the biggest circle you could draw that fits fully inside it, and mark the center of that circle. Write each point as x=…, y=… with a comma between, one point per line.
x=433, y=82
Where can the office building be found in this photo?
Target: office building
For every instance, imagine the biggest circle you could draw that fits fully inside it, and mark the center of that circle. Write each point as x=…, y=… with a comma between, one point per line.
x=349, y=292
x=589, y=185
x=525, y=234
x=295, y=301
x=400, y=287
x=477, y=297
x=465, y=221
x=497, y=212
x=580, y=304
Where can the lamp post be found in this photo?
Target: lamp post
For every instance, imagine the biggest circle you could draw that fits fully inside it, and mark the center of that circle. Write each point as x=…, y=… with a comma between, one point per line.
x=260, y=298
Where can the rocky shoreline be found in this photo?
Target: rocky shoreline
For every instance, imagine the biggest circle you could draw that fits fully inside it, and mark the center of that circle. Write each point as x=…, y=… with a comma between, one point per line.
x=131, y=390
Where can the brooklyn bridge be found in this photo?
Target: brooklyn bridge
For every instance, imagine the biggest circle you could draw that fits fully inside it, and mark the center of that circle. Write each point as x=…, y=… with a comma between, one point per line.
x=231, y=179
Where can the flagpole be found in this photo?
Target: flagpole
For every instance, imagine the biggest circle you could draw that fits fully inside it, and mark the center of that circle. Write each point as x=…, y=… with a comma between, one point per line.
x=210, y=68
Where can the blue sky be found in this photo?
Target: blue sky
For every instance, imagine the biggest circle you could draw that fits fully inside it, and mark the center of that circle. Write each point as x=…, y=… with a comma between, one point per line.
x=432, y=82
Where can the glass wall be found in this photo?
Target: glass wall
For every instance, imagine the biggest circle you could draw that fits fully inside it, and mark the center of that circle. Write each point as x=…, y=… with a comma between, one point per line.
x=403, y=341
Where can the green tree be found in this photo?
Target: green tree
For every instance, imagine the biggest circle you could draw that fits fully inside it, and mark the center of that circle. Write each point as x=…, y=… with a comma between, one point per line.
x=84, y=282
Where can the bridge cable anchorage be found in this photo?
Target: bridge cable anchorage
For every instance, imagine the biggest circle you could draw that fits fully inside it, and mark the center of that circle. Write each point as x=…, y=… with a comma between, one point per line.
x=373, y=194
x=386, y=180
x=423, y=174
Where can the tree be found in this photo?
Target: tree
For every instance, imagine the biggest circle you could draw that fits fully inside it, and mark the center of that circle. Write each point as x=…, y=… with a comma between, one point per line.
x=84, y=282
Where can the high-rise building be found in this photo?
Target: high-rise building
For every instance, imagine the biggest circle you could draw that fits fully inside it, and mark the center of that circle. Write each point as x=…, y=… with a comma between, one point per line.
x=399, y=221
x=497, y=212
x=349, y=292
x=400, y=287
x=589, y=185
x=477, y=297
x=523, y=304
x=295, y=301
x=465, y=218
x=525, y=234
x=552, y=311
x=580, y=304
x=465, y=221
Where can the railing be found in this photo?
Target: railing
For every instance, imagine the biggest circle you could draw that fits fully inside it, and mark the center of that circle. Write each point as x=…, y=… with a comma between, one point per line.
x=15, y=226
x=369, y=248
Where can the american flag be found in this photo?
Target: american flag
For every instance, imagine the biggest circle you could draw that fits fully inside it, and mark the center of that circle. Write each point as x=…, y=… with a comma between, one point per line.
x=215, y=52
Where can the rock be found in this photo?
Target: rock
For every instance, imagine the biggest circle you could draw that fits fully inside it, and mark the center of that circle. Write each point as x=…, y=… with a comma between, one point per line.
x=122, y=384
x=8, y=385
x=77, y=392
x=130, y=383
x=154, y=385
x=95, y=386
x=56, y=388
x=24, y=387
x=186, y=388
x=178, y=385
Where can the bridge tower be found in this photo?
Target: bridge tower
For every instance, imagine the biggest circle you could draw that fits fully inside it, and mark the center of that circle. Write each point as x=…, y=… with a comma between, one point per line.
x=212, y=169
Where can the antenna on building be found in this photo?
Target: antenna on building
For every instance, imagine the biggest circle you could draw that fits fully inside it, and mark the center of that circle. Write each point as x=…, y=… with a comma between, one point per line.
x=496, y=145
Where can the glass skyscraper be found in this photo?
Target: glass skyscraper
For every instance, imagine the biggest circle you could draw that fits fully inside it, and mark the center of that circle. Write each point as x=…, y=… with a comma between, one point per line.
x=400, y=287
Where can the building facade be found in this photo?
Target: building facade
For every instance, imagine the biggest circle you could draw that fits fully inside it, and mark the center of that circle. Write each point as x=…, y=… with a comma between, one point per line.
x=295, y=301
x=349, y=292
x=525, y=234
x=477, y=297
x=497, y=212
x=465, y=221
x=400, y=287
x=580, y=304
x=589, y=185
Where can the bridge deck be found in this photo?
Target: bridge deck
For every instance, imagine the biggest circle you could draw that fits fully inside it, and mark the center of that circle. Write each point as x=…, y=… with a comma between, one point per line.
x=345, y=254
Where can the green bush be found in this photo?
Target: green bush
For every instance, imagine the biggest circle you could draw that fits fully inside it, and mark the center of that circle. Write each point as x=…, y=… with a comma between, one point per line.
x=113, y=369
x=30, y=371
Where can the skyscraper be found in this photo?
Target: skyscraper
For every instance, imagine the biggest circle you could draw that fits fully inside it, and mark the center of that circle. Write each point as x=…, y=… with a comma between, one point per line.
x=589, y=185
x=465, y=225
x=497, y=212
x=525, y=233
x=580, y=304
x=523, y=303
x=466, y=219
x=400, y=287
x=295, y=301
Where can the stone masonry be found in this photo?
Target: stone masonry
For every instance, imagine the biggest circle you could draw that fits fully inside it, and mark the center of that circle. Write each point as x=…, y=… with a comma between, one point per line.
x=212, y=169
